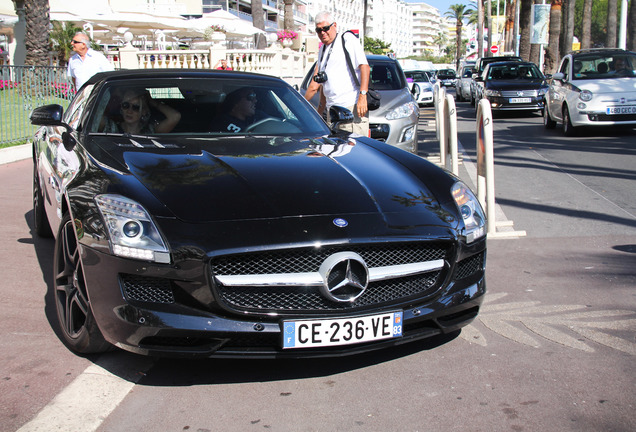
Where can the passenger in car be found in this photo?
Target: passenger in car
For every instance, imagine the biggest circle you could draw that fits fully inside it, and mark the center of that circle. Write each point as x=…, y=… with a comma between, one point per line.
x=134, y=116
x=237, y=112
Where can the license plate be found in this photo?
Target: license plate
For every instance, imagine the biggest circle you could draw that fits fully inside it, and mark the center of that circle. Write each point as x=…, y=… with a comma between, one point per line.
x=341, y=331
x=520, y=100
x=621, y=110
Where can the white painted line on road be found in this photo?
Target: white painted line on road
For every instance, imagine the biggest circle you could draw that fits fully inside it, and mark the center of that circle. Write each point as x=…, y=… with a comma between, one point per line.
x=85, y=403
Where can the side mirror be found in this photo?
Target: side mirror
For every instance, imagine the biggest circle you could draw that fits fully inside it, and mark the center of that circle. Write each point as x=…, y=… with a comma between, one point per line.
x=338, y=115
x=47, y=115
x=558, y=76
x=476, y=77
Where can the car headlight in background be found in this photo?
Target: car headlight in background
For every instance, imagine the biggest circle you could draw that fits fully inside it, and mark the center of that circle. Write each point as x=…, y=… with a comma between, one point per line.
x=131, y=232
x=471, y=212
x=493, y=93
x=402, y=111
x=586, y=96
x=543, y=91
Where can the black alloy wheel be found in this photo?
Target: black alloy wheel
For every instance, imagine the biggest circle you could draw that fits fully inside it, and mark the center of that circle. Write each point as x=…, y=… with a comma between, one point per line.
x=40, y=222
x=79, y=330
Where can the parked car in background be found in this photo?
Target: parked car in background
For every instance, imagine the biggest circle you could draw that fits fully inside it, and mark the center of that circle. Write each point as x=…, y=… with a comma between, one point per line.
x=462, y=84
x=594, y=87
x=446, y=77
x=480, y=65
x=421, y=85
x=272, y=238
x=513, y=86
x=395, y=122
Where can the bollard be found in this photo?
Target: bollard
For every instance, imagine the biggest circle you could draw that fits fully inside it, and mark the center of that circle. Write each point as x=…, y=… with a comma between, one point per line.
x=440, y=122
x=450, y=136
x=485, y=163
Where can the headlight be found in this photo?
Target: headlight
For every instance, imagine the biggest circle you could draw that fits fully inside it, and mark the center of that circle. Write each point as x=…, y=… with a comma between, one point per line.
x=402, y=111
x=586, y=96
x=131, y=231
x=493, y=93
x=471, y=211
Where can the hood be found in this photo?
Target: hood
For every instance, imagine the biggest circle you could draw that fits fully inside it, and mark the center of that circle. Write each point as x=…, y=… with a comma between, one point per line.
x=608, y=86
x=241, y=179
x=511, y=85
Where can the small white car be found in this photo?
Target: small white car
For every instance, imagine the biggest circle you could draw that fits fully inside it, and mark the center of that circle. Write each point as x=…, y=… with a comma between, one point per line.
x=422, y=80
x=595, y=87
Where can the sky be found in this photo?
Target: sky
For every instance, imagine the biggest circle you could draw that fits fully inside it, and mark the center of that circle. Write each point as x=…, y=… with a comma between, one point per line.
x=441, y=5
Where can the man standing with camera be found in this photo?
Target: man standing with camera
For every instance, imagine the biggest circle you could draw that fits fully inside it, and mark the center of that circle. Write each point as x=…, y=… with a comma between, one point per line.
x=333, y=74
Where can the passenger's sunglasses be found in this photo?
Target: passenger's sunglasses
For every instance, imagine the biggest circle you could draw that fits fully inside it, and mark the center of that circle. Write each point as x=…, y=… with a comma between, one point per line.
x=128, y=105
x=251, y=97
x=324, y=29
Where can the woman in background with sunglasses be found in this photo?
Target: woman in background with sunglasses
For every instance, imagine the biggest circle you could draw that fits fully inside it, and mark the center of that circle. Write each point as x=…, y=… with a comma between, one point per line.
x=134, y=115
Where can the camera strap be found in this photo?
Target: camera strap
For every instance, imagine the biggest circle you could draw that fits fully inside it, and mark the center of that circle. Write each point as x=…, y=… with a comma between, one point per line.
x=324, y=65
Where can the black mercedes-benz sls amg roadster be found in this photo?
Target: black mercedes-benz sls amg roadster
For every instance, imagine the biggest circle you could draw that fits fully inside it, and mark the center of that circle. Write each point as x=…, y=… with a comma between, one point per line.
x=215, y=214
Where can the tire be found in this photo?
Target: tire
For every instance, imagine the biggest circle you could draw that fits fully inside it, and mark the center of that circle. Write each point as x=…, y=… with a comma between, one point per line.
x=548, y=121
x=472, y=99
x=41, y=224
x=75, y=318
x=568, y=129
x=458, y=95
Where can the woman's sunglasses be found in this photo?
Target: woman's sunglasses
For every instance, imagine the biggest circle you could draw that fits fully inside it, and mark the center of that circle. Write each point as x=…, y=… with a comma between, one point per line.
x=324, y=29
x=128, y=105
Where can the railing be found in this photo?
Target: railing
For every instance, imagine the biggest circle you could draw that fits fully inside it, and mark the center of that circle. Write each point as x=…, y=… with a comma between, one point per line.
x=285, y=63
x=23, y=88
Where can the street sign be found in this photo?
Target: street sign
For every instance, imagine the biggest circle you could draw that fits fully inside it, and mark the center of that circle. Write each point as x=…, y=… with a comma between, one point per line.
x=494, y=49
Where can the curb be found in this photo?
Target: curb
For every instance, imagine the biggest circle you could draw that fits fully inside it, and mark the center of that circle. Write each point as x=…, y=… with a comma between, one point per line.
x=15, y=153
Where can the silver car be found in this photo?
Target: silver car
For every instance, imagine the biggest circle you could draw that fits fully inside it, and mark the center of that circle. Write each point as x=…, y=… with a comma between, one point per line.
x=462, y=85
x=395, y=122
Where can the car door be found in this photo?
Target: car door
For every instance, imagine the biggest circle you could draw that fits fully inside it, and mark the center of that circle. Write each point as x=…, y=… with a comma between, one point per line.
x=558, y=90
x=57, y=165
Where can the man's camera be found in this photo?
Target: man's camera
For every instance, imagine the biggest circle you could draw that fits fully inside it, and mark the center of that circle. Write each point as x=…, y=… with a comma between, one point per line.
x=320, y=77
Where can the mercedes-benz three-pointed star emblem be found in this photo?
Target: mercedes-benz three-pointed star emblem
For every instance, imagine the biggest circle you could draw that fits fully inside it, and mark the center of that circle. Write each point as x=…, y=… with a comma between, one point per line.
x=345, y=277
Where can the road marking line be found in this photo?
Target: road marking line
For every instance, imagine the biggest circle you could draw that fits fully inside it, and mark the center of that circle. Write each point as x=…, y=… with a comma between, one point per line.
x=85, y=403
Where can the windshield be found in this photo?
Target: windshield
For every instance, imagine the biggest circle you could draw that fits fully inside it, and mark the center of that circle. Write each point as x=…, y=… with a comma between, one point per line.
x=416, y=76
x=521, y=71
x=602, y=65
x=203, y=106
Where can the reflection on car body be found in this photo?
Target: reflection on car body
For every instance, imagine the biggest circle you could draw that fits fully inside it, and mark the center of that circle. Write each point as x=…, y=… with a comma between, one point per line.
x=283, y=239
x=395, y=122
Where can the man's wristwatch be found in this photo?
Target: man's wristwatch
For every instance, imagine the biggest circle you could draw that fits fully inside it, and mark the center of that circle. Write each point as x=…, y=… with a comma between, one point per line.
x=363, y=92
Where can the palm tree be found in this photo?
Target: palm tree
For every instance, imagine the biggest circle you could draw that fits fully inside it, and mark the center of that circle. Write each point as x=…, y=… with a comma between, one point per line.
x=288, y=17
x=258, y=20
x=612, y=13
x=554, y=34
x=36, y=38
x=524, y=28
x=631, y=27
x=568, y=27
x=586, y=32
x=458, y=12
x=61, y=36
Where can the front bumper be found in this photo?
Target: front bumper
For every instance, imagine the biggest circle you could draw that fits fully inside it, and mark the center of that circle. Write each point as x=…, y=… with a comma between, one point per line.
x=158, y=310
x=504, y=104
x=596, y=114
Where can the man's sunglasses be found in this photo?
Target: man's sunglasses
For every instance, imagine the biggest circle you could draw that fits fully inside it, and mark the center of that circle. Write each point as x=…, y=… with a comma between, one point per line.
x=76, y=42
x=324, y=29
x=250, y=97
x=128, y=105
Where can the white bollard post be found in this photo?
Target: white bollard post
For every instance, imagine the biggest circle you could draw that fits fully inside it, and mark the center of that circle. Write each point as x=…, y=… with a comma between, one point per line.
x=450, y=135
x=486, y=163
x=441, y=124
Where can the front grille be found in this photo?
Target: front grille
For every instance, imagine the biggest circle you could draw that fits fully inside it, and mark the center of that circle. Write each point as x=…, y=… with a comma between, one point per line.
x=308, y=299
x=519, y=93
x=146, y=289
x=469, y=266
x=379, y=132
x=617, y=117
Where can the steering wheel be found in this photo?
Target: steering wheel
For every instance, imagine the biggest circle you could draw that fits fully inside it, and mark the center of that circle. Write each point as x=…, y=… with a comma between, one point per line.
x=262, y=122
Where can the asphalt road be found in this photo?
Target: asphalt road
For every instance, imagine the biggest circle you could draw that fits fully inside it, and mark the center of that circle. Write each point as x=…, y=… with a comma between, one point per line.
x=553, y=349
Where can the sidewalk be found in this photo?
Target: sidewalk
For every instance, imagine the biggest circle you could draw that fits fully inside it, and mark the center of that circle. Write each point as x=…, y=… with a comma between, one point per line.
x=15, y=153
